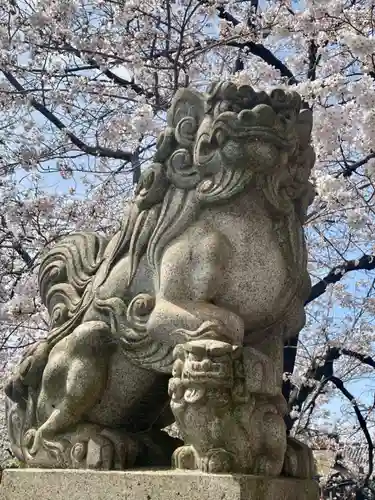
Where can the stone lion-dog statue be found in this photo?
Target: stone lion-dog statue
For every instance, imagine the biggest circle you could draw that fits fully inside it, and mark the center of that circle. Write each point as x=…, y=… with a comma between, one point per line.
x=183, y=313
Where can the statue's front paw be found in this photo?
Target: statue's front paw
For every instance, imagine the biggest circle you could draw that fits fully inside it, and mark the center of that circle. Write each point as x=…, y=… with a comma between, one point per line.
x=41, y=452
x=35, y=439
x=217, y=461
x=184, y=458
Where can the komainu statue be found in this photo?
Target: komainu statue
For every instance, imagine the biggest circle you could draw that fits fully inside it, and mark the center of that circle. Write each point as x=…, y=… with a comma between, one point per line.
x=183, y=313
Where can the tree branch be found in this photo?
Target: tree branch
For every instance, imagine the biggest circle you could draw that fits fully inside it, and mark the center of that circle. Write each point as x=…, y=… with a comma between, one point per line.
x=313, y=60
x=362, y=422
x=16, y=245
x=318, y=372
x=363, y=358
x=258, y=49
x=367, y=262
x=67, y=47
x=324, y=373
x=90, y=150
x=350, y=169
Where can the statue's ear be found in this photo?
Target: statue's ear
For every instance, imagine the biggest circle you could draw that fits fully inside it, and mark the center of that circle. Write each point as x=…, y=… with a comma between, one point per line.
x=185, y=115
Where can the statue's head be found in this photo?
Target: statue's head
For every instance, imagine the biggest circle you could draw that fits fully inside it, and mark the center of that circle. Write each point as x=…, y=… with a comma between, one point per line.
x=220, y=142
x=206, y=362
x=203, y=369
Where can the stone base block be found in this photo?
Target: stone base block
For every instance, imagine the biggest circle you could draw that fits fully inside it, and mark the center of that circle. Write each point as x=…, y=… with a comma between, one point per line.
x=41, y=484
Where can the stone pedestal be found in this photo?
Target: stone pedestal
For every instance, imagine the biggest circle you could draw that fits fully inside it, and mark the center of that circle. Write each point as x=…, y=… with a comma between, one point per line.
x=43, y=484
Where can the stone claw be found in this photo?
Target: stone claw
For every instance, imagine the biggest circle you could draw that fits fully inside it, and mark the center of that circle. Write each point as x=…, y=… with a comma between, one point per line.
x=37, y=443
x=217, y=461
x=184, y=458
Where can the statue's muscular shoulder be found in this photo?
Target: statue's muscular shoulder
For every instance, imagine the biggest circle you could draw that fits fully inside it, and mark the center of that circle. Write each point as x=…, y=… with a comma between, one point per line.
x=194, y=262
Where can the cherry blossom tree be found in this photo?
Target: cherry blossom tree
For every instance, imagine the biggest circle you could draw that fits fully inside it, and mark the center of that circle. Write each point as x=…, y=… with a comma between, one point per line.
x=84, y=87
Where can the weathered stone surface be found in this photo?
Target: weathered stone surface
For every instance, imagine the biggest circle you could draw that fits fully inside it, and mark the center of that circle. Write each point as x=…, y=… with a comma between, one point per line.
x=204, y=281
x=38, y=484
